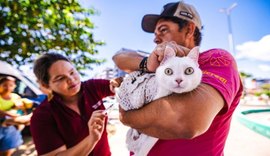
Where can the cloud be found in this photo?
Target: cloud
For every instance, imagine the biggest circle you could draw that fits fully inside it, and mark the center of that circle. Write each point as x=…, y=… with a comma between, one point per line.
x=264, y=67
x=259, y=50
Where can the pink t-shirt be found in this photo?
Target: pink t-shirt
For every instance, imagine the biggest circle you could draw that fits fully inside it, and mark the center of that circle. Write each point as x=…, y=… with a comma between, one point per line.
x=220, y=71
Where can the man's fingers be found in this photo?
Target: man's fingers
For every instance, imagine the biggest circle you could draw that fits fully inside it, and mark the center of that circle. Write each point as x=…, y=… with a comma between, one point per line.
x=182, y=51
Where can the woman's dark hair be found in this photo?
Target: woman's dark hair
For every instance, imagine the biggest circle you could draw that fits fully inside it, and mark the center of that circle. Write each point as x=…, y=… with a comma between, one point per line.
x=43, y=64
x=181, y=24
x=6, y=78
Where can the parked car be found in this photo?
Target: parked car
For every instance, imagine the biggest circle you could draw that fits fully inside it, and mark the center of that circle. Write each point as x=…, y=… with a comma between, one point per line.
x=25, y=87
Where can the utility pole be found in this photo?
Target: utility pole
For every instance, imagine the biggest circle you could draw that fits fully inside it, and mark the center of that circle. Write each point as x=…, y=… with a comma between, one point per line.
x=227, y=11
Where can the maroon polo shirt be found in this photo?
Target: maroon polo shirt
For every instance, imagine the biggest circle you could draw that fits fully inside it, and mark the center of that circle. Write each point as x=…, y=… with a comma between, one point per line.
x=53, y=124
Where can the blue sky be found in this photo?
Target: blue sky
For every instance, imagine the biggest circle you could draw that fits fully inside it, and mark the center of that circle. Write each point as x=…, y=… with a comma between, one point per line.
x=119, y=25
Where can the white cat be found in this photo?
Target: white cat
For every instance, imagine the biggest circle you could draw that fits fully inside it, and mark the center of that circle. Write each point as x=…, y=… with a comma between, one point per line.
x=178, y=74
x=175, y=74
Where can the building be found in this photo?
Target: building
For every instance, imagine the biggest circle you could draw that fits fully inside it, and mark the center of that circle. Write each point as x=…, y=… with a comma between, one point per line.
x=109, y=73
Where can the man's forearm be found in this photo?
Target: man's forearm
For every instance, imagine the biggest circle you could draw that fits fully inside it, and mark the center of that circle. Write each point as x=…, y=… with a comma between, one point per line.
x=178, y=115
x=157, y=119
x=127, y=61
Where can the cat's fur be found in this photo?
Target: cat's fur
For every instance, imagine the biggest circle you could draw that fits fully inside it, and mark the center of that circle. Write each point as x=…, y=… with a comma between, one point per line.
x=186, y=74
x=175, y=74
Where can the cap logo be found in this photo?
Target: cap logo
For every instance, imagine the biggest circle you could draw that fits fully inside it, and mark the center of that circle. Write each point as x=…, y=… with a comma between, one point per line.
x=186, y=14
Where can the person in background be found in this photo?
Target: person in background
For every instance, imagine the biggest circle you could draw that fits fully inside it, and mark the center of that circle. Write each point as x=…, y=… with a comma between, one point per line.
x=195, y=123
x=11, y=113
x=74, y=117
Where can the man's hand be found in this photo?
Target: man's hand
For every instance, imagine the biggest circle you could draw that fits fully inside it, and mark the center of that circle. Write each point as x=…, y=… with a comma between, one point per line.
x=158, y=54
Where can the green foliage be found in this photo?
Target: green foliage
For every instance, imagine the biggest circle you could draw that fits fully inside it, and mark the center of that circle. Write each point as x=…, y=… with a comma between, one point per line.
x=265, y=89
x=267, y=93
x=245, y=75
x=29, y=28
x=258, y=93
x=266, y=86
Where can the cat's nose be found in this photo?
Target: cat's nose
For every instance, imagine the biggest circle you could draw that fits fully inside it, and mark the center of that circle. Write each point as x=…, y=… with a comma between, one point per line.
x=178, y=81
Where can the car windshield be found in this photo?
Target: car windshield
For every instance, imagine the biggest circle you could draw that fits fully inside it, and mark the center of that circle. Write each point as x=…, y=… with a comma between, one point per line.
x=33, y=82
x=21, y=88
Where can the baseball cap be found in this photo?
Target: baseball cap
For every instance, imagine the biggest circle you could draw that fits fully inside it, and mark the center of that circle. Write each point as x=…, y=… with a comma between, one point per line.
x=177, y=9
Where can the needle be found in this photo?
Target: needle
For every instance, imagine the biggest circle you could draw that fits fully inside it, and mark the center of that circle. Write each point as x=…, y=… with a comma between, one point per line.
x=107, y=110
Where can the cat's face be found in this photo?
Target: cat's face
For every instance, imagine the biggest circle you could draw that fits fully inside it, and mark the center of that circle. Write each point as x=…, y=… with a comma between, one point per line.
x=179, y=74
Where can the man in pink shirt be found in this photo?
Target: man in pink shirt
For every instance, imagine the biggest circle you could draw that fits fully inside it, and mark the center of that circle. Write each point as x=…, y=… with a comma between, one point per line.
x=194, y=123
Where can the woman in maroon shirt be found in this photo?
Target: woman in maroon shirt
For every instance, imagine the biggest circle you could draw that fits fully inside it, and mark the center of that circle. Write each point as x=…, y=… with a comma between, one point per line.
x=72, y=122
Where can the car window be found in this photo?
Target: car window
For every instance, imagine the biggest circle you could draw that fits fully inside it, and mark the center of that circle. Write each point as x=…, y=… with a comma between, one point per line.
x=24, y=90
x=30, y=80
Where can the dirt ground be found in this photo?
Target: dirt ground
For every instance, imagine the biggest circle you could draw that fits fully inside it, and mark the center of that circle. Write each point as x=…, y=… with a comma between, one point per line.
x=26, y=149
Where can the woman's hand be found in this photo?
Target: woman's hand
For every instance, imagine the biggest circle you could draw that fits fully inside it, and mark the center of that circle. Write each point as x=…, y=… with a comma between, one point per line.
x=23, y=119
x=115, y=83
x=96, y=125
x=19, y=120
x=12, y=113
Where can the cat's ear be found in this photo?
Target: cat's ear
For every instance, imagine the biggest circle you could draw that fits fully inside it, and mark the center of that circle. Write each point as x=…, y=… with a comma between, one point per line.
x=168, y=53
x=194, y=54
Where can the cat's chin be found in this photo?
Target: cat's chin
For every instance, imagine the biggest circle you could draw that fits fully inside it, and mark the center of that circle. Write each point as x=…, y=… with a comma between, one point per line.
x=178, y=90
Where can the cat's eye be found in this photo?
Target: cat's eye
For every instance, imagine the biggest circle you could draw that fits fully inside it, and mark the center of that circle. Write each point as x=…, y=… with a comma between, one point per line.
x=189, y=71
x=168, y=71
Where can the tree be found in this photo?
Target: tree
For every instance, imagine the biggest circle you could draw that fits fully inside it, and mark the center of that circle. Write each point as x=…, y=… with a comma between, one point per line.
x=245, y=75
x=29, y=28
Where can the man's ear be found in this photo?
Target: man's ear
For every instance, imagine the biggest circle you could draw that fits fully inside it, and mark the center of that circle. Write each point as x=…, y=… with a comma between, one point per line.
x=190, y=29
